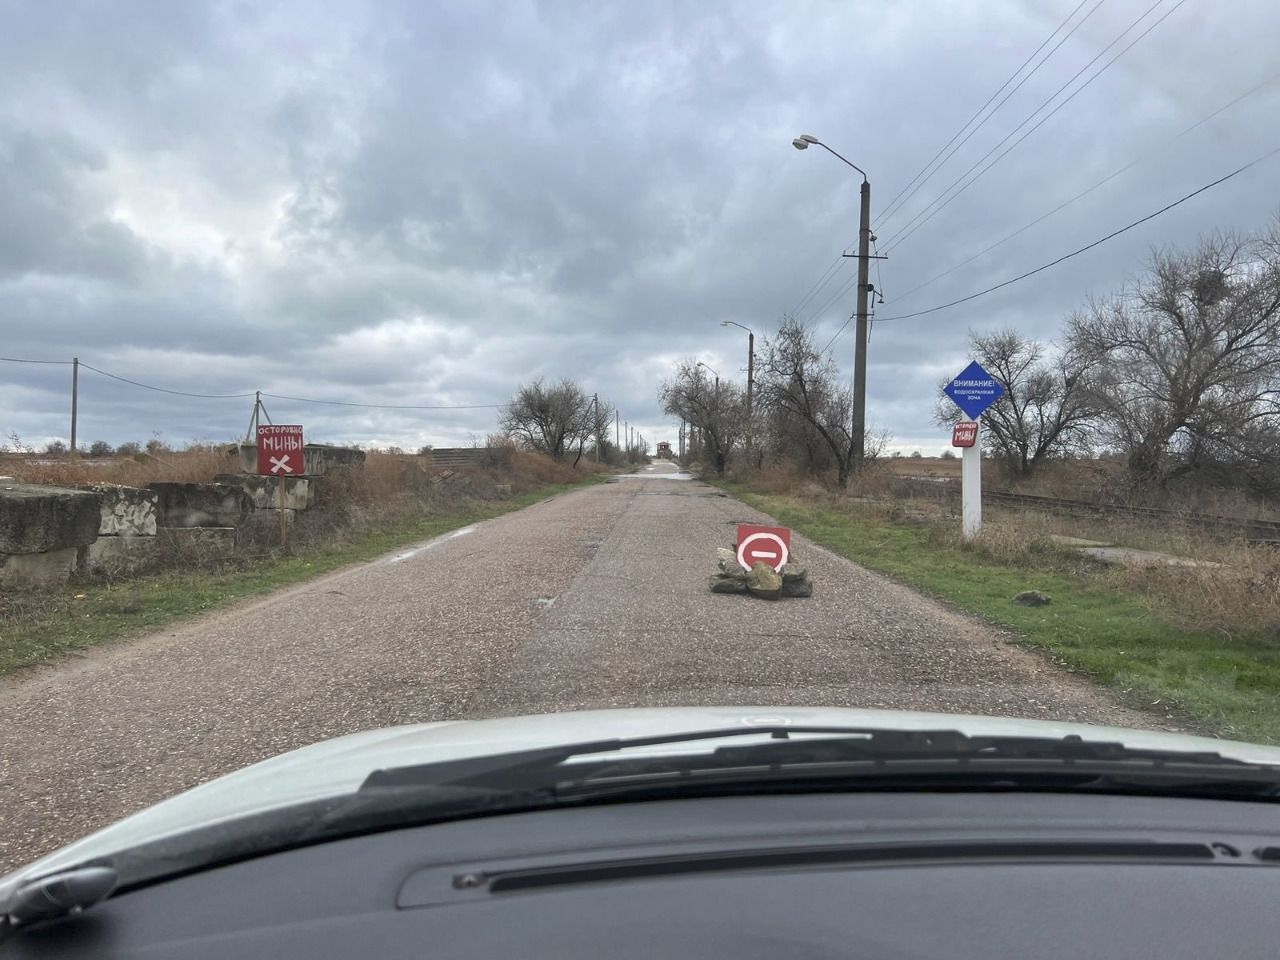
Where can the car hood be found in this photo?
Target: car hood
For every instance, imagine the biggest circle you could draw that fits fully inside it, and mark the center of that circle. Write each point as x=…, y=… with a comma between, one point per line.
x=337, y=767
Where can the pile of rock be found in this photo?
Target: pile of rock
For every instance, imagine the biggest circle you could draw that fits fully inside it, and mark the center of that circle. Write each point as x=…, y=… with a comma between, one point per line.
x=761, y=580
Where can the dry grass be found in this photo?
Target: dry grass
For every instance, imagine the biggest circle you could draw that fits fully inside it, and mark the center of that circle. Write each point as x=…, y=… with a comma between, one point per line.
x=197, y=464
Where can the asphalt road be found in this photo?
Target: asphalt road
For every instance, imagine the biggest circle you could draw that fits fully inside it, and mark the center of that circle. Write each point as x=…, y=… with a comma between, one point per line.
x=593, y=598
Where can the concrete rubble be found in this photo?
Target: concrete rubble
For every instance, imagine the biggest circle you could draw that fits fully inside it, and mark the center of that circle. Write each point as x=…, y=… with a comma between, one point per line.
x=761, y=580
x=126, y=530
x=264, y=492
x=42, y=529
x=201, y=504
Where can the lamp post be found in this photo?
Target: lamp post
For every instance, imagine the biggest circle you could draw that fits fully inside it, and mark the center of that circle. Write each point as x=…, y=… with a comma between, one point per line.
x=751, y=376
x=803, y=142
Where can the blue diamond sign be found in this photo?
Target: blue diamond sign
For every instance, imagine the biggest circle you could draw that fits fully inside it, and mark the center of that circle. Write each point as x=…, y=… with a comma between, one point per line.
x=973, y=390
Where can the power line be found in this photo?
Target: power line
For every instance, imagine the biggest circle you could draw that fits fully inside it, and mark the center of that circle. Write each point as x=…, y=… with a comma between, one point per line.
x=818, y=284
x=390, y=406
x=896, y=203
x=61, y=363
x=176, y=393
x=1090, y=246
x=276, y=396
x=936, y=206
x=1084, y=193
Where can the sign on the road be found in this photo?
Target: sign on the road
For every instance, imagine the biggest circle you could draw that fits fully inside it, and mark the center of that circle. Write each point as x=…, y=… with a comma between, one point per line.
x=974, y=390
x=964, y=434
x=770, y=544
x=280, y=450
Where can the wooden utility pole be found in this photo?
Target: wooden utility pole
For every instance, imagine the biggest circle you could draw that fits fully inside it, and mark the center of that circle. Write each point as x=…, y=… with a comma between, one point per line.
x=75, y=397
x=860, y=347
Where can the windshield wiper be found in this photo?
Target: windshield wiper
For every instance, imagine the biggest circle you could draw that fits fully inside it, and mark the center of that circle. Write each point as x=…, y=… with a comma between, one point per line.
x=866, y=757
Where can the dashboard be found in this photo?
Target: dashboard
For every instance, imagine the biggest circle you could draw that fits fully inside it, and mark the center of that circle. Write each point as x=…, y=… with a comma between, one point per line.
x=824, y=875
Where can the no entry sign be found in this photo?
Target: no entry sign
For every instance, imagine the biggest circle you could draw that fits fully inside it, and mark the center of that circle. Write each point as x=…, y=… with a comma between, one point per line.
x=770, y=544
x=964, y=434
x=280, y=450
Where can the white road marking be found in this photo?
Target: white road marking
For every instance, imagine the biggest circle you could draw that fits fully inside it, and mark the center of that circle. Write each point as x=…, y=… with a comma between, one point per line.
x=427, y=546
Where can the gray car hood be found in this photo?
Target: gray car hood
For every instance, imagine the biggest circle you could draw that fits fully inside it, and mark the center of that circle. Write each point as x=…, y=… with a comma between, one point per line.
x=336, y=767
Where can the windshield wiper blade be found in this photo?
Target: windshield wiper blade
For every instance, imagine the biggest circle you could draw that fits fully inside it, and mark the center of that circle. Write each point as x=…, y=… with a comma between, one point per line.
x=797, y=747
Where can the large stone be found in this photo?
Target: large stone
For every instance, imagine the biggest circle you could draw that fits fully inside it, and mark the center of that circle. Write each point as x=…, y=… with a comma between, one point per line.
x=320, y=458
x=763, y=581
x=48, y=568
x=1033, y=598
x=201, y=504
x=126, y=511
x=794, y=574
x=198, y=544
x=117, y=554
x=264, y=492
x=797, y=588
x=36, y=519
x=728, y=584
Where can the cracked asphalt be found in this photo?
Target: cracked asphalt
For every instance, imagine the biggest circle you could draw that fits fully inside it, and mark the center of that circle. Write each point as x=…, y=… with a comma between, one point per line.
x=594, y=598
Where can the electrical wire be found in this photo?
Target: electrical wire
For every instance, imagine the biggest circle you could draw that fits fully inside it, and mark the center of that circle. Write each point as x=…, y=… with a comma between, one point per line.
x=176, y=393
x=897, y=202
x=390, y=406
x=1084, y=193
x=829, y=274
x=818, y=284
x=1089, y=246
x=934, y=207
x=61, y=363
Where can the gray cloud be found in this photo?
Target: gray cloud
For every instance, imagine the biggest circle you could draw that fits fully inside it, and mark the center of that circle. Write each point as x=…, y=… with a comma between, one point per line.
x=429, y=204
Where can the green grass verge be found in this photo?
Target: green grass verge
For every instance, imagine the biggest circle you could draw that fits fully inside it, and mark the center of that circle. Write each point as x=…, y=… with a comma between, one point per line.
x=1229, y=687
x=59, y=622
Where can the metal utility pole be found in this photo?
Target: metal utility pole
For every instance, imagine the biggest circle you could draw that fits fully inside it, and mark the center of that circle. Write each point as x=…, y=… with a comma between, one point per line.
x=75, y=397
x=803, y=142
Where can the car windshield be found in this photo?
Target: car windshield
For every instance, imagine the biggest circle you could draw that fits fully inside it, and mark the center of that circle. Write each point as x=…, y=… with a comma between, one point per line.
x=395, y=396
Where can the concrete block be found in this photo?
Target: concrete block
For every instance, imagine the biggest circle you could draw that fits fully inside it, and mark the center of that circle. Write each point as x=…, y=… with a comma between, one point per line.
x=265, y=491
x=198, y=543
x=201, y=504
x=36, y=518
x=50, y=568
x=117, y=554
x=320, y=458
x=126, y=511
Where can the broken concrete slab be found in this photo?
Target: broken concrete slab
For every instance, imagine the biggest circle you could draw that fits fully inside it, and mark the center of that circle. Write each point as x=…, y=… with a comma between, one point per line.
x=35, y=518
x=117, y=554
x=265, y=491
x=45, y=569
x=201, y=504
x=1133, y=557
x=126, y=511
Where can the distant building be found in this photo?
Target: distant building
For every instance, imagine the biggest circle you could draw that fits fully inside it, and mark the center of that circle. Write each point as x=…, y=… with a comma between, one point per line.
x=664, y=449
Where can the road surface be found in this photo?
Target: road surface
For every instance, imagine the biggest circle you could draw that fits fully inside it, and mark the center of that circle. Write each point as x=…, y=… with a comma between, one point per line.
x=594, y=598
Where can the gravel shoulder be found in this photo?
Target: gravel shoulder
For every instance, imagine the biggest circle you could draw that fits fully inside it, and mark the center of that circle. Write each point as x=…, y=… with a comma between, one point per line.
x=593, y=598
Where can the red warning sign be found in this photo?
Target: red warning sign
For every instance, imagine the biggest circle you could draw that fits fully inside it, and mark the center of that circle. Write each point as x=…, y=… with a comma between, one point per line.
x=770, y=544
x=280, y=450
x=964, y=434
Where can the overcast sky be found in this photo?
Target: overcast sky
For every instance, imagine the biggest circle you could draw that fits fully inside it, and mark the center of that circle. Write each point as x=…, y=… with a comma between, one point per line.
x=428, y=203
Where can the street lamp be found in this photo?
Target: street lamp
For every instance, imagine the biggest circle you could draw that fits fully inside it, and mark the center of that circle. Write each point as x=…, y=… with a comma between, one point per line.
x=803, y=142
x=751, y=376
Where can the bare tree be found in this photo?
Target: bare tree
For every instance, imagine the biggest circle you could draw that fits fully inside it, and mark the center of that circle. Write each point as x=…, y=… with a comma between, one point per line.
x=796, y=381
x=1044, y=411
x=551, y=419
x=716, y=409
x=1185, y=365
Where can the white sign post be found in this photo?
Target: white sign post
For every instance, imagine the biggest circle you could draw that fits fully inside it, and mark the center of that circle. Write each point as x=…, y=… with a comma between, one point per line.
x=971, y=486
x=973, y=391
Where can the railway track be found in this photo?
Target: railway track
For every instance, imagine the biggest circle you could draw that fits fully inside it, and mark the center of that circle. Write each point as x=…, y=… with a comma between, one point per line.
x=1251, y=530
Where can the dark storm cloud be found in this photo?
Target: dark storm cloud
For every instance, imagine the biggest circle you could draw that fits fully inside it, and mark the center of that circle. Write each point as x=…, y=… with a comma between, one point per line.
x=423, y=204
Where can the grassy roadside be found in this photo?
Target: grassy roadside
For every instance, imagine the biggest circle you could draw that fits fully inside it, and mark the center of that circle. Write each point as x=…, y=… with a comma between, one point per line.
x=60, y=622
x=1224, y=685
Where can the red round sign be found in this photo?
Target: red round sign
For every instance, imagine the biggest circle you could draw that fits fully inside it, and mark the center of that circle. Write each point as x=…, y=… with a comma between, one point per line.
x=769, y=544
